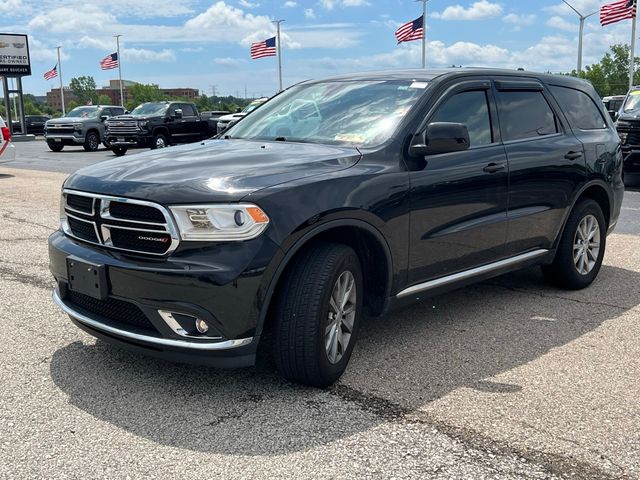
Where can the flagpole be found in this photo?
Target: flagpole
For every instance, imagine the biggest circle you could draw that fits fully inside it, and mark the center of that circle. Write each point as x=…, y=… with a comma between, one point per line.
x=278, y=22
x=424, y=33
x=119, y=69
x=633, y=48
x=61, y=83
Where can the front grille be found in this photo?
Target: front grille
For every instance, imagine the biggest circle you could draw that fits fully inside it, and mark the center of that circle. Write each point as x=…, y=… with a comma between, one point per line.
x=80, y=203
x=123, y=224
x=152, y=242
x=122, y=128
x=59, y=131
x=131, y=211
x=633, y=138
x=118, y=312
x=83, y=230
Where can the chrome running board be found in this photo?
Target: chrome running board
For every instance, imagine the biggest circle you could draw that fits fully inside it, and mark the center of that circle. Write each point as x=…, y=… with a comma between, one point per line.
x=456, y=277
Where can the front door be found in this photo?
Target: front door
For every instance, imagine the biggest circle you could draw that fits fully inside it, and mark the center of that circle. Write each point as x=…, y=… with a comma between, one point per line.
x=459, y=199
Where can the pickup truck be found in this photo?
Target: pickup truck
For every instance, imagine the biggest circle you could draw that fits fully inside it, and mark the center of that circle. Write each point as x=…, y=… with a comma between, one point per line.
x=83, y=126
x=157, y=125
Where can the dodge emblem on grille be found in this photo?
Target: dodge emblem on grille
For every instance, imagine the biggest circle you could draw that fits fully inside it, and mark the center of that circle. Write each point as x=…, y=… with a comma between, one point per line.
x=153, y=239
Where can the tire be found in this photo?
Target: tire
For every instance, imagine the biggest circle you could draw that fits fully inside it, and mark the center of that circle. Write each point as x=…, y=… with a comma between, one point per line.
x=570, y=274
x=304, y=317
x=159, y=141
x=55, y=147
x=91, y=141
x=119, y=151
x=106, y=144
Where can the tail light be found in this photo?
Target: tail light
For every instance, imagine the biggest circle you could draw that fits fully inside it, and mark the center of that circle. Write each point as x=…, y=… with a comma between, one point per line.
x=6, y=134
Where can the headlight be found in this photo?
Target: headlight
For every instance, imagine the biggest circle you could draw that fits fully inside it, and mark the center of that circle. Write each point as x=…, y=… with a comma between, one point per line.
x=220, y=223
x=77, y=126
x=143, y=124
x=106, y=124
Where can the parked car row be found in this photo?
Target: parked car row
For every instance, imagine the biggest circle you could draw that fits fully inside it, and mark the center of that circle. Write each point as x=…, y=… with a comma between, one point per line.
x=34, y=124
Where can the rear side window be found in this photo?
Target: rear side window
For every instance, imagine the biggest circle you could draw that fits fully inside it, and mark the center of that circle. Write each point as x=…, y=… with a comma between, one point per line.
x=471, y=109
x=525, y=114
x=580, y=108
x=188, y=111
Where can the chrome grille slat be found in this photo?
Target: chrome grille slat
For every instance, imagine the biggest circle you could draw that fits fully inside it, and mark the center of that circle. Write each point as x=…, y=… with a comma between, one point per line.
x=104, y=223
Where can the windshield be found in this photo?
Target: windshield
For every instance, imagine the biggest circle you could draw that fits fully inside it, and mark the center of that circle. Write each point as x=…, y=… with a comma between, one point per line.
x=633, y=101
x=149, y=109
x=252, y=106
x=83, y=112
x=361, y=113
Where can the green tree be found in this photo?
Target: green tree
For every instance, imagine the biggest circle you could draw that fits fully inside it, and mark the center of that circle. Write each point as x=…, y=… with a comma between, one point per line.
x=611, y=75
x=71, y=105
x=104, y=100
x=84, y=88
x=141, y=93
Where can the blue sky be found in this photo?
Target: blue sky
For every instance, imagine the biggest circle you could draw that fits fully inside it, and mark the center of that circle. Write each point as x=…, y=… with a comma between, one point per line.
x=195, y=43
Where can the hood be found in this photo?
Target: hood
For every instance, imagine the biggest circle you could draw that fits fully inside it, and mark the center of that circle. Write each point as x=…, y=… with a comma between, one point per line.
x=233, y=116
x=211, y=171
x=630, y=115
x=67, y=120
x=132, y=117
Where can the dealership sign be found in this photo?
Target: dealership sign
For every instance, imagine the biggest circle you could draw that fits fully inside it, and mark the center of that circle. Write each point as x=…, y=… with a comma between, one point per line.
x=14, y=55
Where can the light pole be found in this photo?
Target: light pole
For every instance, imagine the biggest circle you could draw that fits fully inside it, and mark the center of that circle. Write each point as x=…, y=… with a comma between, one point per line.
x=582, y=19
x=424, y=32
x=278, y=22
x=117, y=37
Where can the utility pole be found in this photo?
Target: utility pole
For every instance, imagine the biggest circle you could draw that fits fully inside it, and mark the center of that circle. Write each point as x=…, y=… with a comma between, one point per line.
x=632, y=60
x=581, y=34
x=424, y=32
x=278, y=22
x=61, y=83
x=119, y=69
x=213, y=90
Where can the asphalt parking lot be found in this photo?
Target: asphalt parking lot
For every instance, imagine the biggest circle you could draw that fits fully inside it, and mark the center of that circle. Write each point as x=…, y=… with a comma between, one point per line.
x=505, y=379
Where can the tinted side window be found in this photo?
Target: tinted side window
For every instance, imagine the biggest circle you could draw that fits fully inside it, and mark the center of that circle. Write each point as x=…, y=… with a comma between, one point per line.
x=117, y=111
x=107, y=112
x=525, y=114
x=580, y=108
x=187, y=110
x=470, y=108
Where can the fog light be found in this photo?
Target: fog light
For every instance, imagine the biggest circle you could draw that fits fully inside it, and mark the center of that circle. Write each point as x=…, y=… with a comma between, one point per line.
x=201, y=326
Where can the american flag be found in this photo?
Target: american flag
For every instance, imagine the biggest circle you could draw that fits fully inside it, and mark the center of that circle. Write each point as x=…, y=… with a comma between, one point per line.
x=410, y=31
x=266, y=48
x=109, y=62
x=614, y=12
x=53, y=73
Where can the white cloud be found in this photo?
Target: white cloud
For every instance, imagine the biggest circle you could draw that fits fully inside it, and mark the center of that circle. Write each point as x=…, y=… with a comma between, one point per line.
x=290, y=4
x=331, y=4
x=519, y=19
x=247, y=4
x=228, y=61
x=562, y=24
x=585, y=7
x=480, y=9
x=142, y=55
x=10, y=7
x=309, y=13
x=83, y=19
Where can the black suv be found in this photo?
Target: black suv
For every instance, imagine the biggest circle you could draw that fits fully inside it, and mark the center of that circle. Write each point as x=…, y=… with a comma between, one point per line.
x=338, y=198
x=628, y=126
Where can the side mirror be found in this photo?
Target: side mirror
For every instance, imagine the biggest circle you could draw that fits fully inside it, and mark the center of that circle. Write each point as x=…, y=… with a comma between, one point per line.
x=441, y=137
x=238, y=110
x=177, y=114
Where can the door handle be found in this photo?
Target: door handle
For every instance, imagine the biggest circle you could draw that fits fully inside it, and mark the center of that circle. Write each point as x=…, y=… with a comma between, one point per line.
x=573, y=155
x=493, y=167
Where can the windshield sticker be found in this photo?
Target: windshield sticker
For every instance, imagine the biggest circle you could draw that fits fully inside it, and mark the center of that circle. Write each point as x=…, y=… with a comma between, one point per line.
x=634, y=92
x=420, y=85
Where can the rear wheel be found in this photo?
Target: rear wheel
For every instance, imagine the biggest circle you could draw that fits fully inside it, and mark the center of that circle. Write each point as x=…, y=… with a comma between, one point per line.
x=91, y=142
x=317, y=315
x=581, y=248
x=55, y=147
x=159, y=141
x=119, y=151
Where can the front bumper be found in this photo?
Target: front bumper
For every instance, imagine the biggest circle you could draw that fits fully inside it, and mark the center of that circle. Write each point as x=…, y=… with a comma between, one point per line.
x=129, y=140
x=64, y=139
x=225, y=293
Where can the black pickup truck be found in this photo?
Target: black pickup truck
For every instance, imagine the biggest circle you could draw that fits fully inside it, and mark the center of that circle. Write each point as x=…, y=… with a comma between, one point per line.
x=157, y=125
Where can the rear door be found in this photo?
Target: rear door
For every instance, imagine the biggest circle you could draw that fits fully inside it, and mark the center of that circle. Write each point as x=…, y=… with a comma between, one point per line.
x=190, y=123
x=546, y=163
x=459, y=199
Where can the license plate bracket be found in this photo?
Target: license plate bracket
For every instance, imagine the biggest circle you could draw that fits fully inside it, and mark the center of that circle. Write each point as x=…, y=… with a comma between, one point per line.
x=87, y=278
x=121, y=139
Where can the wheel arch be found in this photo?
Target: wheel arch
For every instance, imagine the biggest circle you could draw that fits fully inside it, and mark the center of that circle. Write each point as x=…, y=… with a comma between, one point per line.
x=368, y=243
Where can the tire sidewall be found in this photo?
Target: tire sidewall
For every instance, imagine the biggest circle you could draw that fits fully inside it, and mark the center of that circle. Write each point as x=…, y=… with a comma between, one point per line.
x=329, y=370
x=155, y=140
x=87, y=143
x=54, y=147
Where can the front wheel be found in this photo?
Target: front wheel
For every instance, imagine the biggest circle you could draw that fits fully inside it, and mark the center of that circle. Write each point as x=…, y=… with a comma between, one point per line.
x=55, y=147
x=91, y=142
x=581, y=248
x=159, y=141
x=119, y=151
x=317, y=314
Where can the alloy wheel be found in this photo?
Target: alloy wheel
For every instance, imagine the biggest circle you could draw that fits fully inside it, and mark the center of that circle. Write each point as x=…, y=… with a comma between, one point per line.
x=586, y=245
x=341, y=317
x=160, y=143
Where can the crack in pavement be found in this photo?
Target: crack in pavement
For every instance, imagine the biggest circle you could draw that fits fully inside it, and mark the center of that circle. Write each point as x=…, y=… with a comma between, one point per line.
x=22, y=239
x=29, y=280
x=552, y=463
x=558, y=297
x=8, y=216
